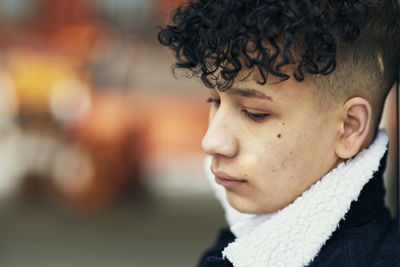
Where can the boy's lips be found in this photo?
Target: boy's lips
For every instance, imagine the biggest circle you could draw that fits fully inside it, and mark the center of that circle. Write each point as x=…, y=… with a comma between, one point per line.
x=226, y=180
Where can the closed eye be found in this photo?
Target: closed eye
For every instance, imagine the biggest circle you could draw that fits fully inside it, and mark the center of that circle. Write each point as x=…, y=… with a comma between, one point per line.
x=258, y=117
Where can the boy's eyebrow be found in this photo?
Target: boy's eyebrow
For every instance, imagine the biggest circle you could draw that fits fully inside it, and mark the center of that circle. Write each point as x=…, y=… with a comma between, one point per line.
x=248, y=92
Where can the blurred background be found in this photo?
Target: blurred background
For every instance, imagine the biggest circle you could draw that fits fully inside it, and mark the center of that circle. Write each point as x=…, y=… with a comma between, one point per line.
x=100, y=158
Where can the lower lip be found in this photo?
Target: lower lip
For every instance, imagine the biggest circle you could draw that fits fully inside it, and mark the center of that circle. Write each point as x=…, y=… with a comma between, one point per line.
x=229, y=184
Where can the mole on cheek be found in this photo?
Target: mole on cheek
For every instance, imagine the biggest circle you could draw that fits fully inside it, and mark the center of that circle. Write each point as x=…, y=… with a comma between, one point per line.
x=279, y=136
x=283, y=123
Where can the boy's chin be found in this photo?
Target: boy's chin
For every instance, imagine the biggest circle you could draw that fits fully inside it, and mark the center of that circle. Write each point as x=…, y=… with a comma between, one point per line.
x=248, y=205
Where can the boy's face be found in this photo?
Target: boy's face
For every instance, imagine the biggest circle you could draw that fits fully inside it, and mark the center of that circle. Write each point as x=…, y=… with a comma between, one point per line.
x=269, y=143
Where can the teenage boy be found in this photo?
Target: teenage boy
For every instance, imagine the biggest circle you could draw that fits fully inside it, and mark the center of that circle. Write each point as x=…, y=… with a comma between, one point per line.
x=297, y=90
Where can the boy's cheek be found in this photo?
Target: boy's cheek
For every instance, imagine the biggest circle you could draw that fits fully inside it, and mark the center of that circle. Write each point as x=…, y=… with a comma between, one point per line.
x=249, y=163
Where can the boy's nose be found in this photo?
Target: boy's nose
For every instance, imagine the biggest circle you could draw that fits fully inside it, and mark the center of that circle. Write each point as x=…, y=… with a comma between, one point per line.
x=219, y=139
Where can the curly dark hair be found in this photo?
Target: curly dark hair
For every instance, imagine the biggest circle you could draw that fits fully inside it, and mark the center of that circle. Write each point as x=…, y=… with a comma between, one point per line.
x=216, y=39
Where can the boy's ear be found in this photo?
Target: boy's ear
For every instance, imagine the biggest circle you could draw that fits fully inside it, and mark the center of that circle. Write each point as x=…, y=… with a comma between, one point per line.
x=355, y=127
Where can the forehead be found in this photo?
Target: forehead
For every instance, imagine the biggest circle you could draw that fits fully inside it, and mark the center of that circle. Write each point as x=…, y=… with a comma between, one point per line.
x=273, y=90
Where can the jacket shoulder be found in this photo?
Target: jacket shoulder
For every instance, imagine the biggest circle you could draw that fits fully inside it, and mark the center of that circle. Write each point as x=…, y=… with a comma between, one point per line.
x=389, y=251
x=216, y=262
x=374, y=244
x=213, y=256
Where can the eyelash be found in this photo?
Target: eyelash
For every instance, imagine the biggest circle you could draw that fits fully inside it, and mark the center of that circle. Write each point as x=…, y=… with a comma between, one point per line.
x=253, y=116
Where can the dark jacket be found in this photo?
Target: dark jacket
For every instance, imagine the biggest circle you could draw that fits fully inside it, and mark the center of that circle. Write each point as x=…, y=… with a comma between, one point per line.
x=367, y=236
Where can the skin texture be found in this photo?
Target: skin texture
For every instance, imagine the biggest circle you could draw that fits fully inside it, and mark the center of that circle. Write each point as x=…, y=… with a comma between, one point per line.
x=281, y=144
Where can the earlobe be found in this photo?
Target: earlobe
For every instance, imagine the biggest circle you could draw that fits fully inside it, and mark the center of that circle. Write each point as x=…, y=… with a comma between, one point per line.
x=357, y=116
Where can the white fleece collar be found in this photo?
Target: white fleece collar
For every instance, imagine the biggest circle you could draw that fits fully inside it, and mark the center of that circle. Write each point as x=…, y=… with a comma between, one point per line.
x=294, y=235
